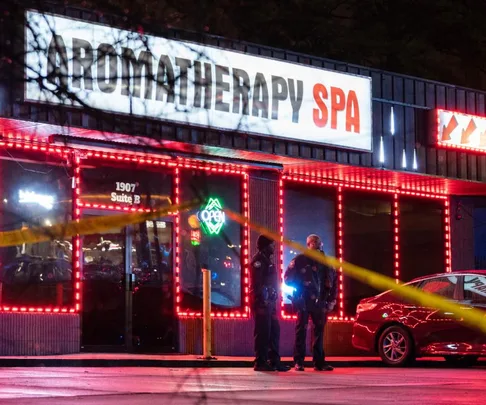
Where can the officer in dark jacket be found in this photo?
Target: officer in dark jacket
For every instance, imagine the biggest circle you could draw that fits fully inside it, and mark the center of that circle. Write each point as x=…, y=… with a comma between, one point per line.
x=315, y=291
x=264, y=295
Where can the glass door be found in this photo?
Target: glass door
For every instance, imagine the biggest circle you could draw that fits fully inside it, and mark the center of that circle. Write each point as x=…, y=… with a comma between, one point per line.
x=127, y=289
x=103, y=259
x=153, y=320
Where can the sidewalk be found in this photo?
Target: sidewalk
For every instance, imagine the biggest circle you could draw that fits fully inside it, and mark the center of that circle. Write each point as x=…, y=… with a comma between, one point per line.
x=179, y=361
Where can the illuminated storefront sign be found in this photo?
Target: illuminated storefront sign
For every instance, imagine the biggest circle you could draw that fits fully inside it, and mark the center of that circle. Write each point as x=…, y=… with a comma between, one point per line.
x=212, y=217
x=125, y=72
x=195, y=237
x=461, y=131
x=31, y=197
x=125, y=193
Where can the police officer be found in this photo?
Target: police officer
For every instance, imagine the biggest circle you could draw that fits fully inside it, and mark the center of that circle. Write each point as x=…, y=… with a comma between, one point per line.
x=315, y=292
x=264, y=295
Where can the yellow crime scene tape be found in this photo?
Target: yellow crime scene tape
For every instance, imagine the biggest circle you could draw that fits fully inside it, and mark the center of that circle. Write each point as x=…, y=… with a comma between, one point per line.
x=86, y=226
x=471, y=316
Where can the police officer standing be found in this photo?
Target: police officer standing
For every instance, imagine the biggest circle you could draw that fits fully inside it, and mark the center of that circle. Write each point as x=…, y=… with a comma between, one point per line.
x=264, y=295
x=315, y=292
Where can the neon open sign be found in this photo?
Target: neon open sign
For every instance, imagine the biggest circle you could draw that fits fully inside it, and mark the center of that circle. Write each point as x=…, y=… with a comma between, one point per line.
x=212, y=217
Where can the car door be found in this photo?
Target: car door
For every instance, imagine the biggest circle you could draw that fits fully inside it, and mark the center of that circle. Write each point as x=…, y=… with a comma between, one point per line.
x=473, y=296
x=434, y=330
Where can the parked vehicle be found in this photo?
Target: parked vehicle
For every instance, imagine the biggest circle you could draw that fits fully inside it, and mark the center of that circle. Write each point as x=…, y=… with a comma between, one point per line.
x=400, y=331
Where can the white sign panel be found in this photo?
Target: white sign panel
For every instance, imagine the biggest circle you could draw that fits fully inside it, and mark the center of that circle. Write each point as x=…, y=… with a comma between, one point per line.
x=129, y=73
x=461, y=131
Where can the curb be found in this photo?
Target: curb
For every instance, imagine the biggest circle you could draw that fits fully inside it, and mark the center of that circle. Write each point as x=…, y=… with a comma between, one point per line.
x=159, y=363
x=15, y=362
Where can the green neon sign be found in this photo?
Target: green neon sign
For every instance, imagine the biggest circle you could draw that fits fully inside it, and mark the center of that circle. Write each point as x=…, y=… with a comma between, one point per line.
x=212, y=217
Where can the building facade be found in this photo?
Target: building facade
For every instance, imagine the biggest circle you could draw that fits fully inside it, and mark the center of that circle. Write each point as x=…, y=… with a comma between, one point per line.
x=101, y=120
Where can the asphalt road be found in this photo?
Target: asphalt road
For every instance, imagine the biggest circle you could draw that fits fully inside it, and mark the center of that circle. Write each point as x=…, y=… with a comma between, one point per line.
x=136, y=386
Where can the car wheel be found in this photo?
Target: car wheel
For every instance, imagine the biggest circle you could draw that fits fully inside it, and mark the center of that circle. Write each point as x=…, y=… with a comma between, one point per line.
x=461, y=361
x=396, y=346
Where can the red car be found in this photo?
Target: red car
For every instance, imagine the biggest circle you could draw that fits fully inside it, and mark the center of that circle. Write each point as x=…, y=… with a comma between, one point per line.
x=400, y=331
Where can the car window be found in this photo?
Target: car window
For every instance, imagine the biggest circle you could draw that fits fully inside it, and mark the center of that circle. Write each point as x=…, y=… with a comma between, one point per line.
x=475, y=289
x=443, y=286
x=397, y=296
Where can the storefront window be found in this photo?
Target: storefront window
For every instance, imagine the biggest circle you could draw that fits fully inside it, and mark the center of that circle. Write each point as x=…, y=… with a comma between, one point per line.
x=209, y=239
x=35, y=194
x=422, y=248
x=125, y=184
x=307, y=210
x=367, y=241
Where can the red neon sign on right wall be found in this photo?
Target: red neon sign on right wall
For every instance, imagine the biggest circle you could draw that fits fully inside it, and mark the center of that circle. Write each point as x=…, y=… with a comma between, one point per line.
x=461, y=131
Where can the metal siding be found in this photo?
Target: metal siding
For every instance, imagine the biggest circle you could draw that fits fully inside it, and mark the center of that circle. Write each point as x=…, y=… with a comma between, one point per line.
x=318, y=153
x=440, y=95
x=472, y=165
x=409, y=92
x=472, y=158
x=482, y=168
x=442, y=166
x=451, y=98
x=462, y=168
x=364, y=72
x=253, y=143
x=330, y=155
x=399, y=137
x=343, y=157
x=377, y=131
x=387, y=86
x=376, y=84
x=398, y=88
x=39, y=334
x=481, y=160
x=354, y=158
x=451, y=163
x=460, y=100
x=410, y=135
x=471, y=102
x=419, y=93
x=430, y=95
x=263, y=203
x=292, y=57
x=365, y=159
x=305, y=151
x=431, y=161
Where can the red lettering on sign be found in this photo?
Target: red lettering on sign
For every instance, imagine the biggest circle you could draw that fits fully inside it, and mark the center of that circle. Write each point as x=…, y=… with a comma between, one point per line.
x=352, y=113
x=339, y=102
x=320, y=114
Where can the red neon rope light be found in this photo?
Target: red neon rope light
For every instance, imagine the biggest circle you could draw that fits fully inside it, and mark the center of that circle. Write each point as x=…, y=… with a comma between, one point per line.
x=64, y=153
x=396, y=224
x=281, y=231
x=396, y=235
x=339, y=239
x=213, y=167
x=177, y=245
x=112, y=207
x=340, y=250
x=220, y=169
x=246, y=249
x=447, y=236
x=77, y=239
